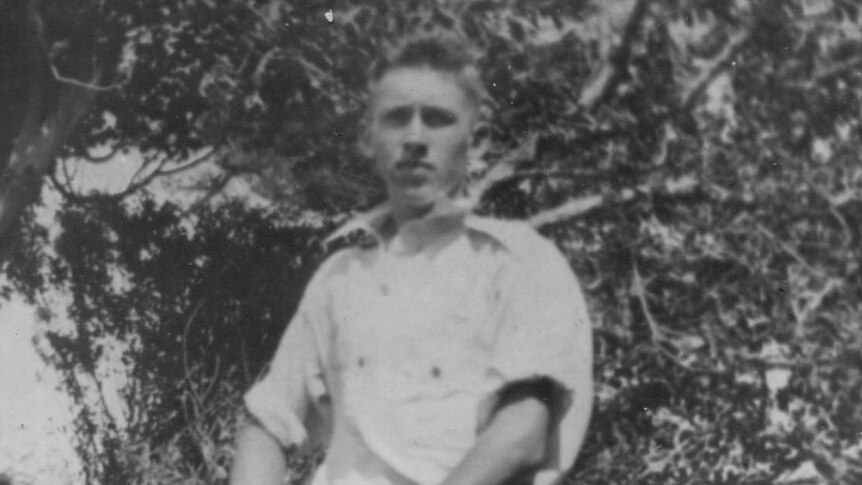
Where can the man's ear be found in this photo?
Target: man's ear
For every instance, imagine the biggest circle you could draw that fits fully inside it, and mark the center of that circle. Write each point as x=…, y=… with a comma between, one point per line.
x=479, y=125
x=478, y=130
x=479, y=142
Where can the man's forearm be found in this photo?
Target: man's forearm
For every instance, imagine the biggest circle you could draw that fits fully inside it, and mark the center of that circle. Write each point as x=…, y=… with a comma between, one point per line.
x=514, y=443
x=259, y=459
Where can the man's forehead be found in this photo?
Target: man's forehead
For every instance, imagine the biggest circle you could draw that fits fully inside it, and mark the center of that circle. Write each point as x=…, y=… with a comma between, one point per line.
x=423, y=86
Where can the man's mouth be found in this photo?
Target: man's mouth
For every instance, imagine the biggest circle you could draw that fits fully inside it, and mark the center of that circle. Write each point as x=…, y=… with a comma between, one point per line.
x=411, y=172
x=410, y=164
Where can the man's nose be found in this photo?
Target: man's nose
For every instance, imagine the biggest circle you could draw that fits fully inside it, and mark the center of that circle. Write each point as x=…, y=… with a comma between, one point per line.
x=415, y=146
x=415, y=150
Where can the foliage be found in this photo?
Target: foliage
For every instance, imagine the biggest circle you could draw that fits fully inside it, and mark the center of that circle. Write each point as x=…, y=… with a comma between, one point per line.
x=191, y=315
x=697, y=161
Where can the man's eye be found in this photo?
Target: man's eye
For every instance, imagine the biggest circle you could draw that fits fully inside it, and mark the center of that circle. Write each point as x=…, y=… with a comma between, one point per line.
x=434, y=117
x=398, y=116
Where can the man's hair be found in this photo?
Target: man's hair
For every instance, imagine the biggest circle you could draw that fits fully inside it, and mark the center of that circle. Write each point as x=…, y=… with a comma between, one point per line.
x=440, y=53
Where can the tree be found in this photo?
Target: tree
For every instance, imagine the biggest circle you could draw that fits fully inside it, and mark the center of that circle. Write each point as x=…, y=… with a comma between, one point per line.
x=54, y=56
x=189, y=317
x=697, y=161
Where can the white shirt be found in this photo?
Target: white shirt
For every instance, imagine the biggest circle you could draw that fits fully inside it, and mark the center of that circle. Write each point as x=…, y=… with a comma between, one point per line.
x=396, y=353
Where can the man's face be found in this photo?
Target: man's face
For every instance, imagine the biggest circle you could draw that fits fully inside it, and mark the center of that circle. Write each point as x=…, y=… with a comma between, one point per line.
x=418, y=134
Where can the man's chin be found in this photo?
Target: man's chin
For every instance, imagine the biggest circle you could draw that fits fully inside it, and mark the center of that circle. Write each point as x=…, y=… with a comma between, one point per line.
x=416, y=197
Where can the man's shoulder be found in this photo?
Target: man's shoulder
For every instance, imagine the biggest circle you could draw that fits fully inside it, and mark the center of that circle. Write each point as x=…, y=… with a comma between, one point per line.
x=519, y=238
x=338, y=259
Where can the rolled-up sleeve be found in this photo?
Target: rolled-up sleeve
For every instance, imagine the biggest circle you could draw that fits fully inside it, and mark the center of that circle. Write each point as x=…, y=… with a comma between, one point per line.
x=287, y=399
x=545, y=333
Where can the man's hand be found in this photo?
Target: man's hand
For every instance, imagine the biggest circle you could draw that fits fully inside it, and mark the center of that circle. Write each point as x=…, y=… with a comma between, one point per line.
x=514, y=443
x=259, y=458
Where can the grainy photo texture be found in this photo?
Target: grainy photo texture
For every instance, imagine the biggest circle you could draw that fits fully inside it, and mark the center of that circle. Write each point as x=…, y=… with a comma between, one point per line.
x=430, y=242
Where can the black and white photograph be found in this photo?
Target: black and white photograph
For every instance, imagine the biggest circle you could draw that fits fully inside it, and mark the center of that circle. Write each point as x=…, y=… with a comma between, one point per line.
x=430, y=242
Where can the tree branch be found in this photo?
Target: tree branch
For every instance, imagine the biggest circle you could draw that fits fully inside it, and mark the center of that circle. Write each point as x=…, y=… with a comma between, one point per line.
x=658, y=334
x=827, y=73
x=802, y=307
x=604, y=83
x=40, y=138
x=89, y=85
x=263, y=63
x=107, y=157
x=691, y=93
x=613, y=70
x=187, y=372
x=711, y=70
x=217, y=186
x=504, y=168
x=138, y=181
x=668, y=134
x=788, y=249
x=194, y=163
x=63, y=189
x=582, y=206
x=33, y=155
x=521, y=174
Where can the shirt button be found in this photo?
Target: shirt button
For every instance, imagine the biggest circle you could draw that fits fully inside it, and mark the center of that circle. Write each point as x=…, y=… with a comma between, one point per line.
x=435, y=371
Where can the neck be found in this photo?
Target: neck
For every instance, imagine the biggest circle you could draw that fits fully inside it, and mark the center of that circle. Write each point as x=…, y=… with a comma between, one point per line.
x=404, y=213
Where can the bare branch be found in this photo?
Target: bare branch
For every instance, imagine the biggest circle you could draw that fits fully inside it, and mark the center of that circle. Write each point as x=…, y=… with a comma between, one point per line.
x=148, y=161
x=504, y=168
x=573, y=208
x=582, y=206
x=846, y=231
x=658, y=334
x=269, y=19
x=831, y=71
x=263, y=63
x=314, y=73
x=89, y=85
x=747, y=358
x=522, y=174
x=142, y=177
x=605, y=82
x=68, y=177
x=667, y=136
x=217, y=186
x=63, y=189
x=107, y=157
x=213, y=379
x=710, y=71
x=612, y=72
x=803, y=307
x=788, y=249
x=187, y=370
x=598, y=88
x=135, y=185
x=186, y=166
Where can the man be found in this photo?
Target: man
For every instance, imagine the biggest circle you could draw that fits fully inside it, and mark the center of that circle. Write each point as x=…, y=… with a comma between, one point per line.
x=455, y=349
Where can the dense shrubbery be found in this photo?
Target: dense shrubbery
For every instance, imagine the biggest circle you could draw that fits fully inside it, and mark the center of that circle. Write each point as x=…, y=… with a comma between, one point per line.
x=697, y=161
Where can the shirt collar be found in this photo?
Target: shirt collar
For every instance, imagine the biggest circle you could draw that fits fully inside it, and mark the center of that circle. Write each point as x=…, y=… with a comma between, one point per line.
x=445, y=214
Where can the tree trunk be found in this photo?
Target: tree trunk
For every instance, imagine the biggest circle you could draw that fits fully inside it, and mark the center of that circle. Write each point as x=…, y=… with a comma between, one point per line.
x=39, y=114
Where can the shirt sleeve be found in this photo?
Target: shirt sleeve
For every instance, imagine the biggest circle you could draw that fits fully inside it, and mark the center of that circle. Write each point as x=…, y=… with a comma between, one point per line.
x=288, y=400
x=545, y=334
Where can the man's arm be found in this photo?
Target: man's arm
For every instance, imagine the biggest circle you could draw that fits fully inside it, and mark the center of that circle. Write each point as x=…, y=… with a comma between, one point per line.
x=513, y=444
x=259, y=459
